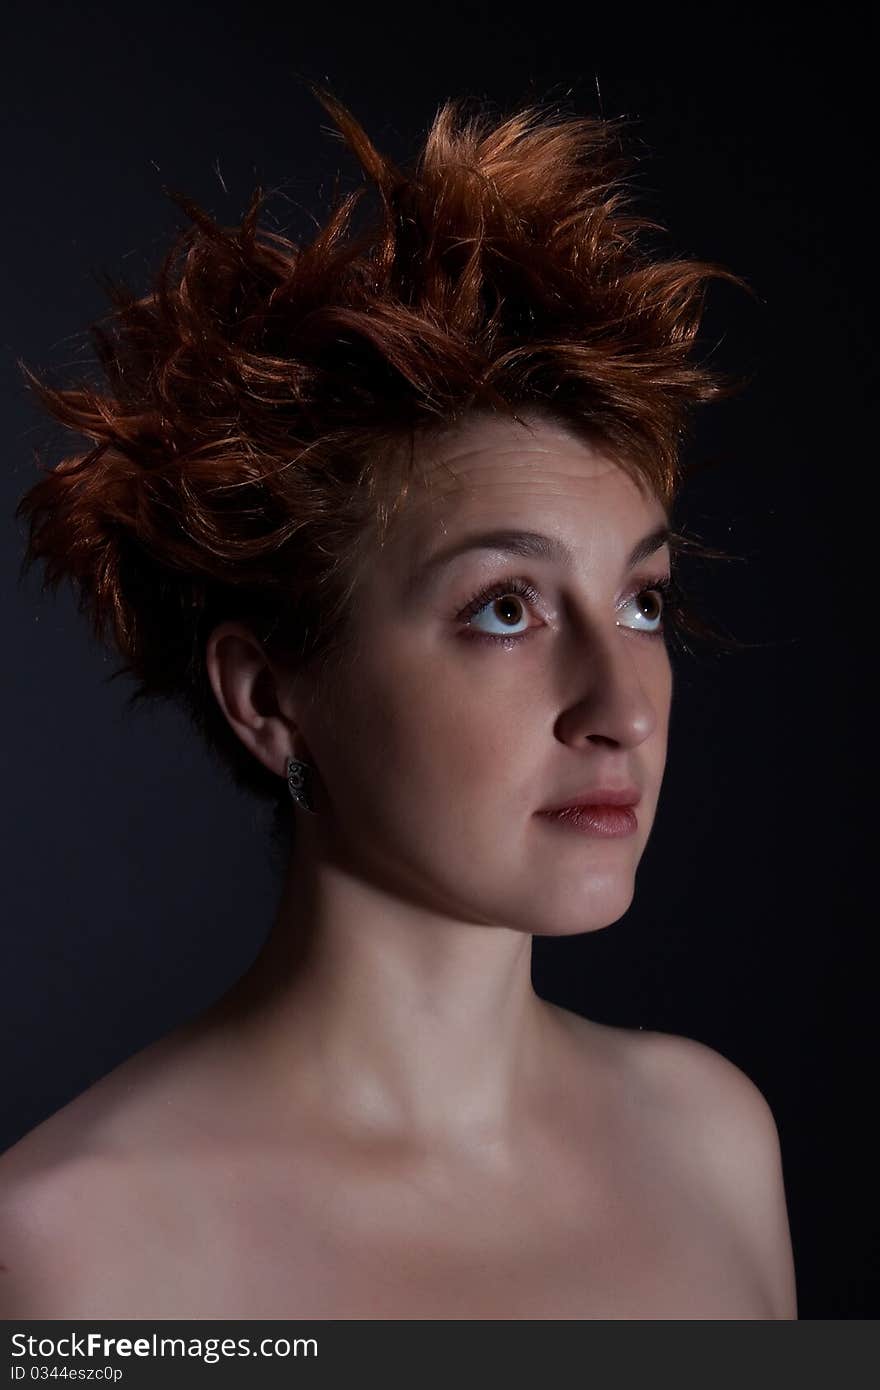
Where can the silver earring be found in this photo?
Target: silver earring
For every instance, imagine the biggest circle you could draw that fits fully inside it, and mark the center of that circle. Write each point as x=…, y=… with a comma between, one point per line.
x=299, y=783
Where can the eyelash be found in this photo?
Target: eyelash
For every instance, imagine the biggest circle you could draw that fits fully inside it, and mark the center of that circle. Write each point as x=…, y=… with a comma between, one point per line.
x=663, y=584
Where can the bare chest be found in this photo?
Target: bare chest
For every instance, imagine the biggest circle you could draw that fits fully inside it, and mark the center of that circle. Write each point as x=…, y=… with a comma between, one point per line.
x=370, y=1247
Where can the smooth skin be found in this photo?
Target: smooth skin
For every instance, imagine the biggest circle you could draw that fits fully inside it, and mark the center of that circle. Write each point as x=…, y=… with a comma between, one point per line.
x=382, y=1119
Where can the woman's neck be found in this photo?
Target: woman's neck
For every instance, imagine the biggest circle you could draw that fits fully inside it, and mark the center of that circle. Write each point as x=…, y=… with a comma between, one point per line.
x=391, y=1019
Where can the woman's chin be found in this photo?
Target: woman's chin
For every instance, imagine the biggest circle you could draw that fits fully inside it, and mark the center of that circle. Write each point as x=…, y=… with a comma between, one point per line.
x=583, y=908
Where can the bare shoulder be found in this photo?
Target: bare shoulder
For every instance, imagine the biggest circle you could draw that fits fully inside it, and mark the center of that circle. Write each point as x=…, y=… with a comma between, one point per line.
x=725, y=1132
x=50, y=1206
x=67, y=1194
x=712, y=1129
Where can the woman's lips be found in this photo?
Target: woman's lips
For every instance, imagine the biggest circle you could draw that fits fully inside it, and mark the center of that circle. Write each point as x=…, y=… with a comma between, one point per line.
x=595, y=820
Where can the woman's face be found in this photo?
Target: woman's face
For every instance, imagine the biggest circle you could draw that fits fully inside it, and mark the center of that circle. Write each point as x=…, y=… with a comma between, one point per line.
x=457, y=717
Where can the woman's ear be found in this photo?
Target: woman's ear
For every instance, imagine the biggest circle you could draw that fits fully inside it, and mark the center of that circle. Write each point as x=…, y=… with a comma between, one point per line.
x=254, y=695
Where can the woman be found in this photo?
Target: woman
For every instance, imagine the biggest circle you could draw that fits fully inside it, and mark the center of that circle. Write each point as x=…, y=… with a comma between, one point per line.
x=389, y=514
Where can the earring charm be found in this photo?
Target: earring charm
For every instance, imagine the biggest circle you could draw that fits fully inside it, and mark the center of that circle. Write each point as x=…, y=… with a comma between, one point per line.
x=299, y=783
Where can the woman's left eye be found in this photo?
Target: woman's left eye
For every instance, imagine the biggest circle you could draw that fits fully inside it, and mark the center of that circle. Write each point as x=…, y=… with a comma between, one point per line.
x=656, y=593
x=503, y=603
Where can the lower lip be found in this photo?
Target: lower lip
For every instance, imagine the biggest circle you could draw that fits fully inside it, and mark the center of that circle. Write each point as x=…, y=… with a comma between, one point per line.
x=595, y=820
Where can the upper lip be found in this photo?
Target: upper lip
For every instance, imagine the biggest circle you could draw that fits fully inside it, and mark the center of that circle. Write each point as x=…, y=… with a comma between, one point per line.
x=599, y=796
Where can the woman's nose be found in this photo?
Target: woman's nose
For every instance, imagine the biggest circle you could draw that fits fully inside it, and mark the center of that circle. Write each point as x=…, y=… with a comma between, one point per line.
x=620, y=698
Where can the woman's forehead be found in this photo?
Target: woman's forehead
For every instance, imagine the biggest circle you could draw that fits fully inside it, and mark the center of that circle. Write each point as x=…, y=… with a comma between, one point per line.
x=492, y=475
x=511, y=484
x=492, y=443
x=555, y=515
x=490, y=461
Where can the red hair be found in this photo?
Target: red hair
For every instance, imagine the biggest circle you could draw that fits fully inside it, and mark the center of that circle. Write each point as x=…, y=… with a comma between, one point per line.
x=253, y=400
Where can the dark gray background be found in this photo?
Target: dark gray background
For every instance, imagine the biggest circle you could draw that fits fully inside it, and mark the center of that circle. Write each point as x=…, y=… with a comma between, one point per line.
x=137, y=882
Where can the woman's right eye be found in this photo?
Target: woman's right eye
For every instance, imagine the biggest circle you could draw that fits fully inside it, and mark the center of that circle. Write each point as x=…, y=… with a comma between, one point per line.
x=504, y=604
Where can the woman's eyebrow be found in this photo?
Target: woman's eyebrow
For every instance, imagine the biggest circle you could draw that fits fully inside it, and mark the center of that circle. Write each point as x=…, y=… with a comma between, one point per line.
x=533, y=545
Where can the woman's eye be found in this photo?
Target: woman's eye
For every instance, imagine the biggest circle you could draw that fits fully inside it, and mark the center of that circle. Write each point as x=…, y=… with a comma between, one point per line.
x=501, y=612
x=648, y=606
x=507, y=613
